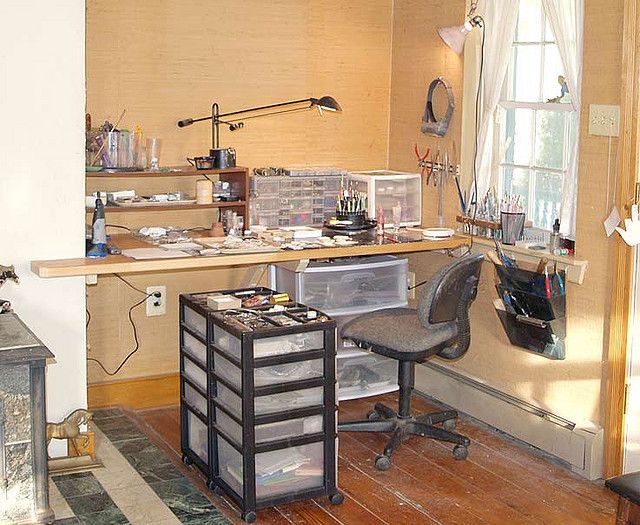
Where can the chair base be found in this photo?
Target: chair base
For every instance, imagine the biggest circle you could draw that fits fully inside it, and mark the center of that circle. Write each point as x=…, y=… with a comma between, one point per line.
x=385, y=419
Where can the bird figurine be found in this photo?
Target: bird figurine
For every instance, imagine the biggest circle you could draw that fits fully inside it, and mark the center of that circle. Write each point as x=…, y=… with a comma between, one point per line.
x=564, y=90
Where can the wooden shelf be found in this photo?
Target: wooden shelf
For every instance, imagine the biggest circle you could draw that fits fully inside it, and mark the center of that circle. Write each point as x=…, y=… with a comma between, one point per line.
x=168, y=207
x=180, y=171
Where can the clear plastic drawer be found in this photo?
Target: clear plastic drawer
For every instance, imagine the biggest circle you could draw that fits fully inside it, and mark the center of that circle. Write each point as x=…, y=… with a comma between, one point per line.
x=269, y=375
x=195, y=400
x=195, y=321
x=194, y=373
x=363, y=374
x=193, y=347
x=269, y=346
x=270, y=431
x=198, y=438
x=277, y=472
x=270, y=404
x=344, y=288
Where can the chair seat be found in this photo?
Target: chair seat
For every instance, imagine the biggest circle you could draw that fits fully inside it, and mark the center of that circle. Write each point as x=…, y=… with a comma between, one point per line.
x=627, y=486
x=399, y=334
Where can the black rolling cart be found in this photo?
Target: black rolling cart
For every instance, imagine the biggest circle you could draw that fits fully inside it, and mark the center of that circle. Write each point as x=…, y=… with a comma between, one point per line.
x=258, y=405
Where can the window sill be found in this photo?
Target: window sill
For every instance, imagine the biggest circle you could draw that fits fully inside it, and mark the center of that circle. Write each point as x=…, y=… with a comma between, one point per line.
x=575, y=269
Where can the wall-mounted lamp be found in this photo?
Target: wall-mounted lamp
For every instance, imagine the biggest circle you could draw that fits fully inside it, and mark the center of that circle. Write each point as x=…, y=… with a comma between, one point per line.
x=456, y=36
x=324, y=103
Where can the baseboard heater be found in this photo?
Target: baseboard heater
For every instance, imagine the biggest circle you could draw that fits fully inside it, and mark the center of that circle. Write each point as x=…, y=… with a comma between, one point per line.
x=579, y=445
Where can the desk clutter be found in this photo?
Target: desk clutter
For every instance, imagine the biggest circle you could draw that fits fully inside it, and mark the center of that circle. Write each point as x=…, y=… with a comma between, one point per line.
x=532, y=305
x=258, y=405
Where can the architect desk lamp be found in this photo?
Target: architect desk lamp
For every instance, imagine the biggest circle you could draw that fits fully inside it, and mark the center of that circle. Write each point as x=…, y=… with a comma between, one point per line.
x=237, y=117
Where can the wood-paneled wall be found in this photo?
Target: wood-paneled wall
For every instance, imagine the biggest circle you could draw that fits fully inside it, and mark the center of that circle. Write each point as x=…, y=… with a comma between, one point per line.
x=164, y=61
x=574, y=387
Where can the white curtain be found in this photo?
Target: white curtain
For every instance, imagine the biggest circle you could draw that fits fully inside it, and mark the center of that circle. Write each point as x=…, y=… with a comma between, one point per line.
x=500, y=18
x=566, y=19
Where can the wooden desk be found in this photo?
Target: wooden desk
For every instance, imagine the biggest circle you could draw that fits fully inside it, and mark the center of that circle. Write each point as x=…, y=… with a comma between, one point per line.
x=121, y=264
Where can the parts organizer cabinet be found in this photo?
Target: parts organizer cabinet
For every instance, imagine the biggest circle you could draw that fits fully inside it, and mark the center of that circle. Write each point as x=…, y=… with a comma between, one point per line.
x=344, y=289
x=258, y=407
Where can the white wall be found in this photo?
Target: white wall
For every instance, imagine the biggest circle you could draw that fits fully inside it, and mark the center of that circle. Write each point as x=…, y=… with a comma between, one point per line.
x=42, y=101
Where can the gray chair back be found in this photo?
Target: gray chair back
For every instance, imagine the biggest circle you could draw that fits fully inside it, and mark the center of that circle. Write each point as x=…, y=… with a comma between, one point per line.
x=447, y=297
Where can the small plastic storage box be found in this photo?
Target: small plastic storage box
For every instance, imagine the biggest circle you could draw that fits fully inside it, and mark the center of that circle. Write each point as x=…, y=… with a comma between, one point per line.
x=258, y=400
x=346, y=286
x=389, y=188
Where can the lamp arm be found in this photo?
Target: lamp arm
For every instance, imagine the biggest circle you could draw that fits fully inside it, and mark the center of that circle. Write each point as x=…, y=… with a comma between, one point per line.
x=266, y=114
x=261, y=108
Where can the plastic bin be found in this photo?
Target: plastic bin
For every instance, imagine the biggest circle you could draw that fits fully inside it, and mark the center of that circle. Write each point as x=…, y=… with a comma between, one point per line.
x=363, y=374
x=194, y=373
x=281, y=402
x=344, y=287
x=387, y=189
x=194, y=348
x=270, y=431
x=196, y=322
x=278, y=472
x=198, y=438
x=195, y=400
x=269, y=375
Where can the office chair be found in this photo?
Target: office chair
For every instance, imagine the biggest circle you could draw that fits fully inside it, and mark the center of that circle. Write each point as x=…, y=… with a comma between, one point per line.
x=438, y=327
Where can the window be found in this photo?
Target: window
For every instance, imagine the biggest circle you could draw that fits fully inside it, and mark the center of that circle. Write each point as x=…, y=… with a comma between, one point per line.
x=536, y=123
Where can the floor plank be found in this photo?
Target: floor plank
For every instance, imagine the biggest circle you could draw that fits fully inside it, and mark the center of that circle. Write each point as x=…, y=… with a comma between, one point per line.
x=502, y=481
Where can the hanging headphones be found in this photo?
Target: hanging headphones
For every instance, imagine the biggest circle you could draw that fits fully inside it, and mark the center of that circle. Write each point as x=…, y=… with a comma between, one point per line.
x=430, y=124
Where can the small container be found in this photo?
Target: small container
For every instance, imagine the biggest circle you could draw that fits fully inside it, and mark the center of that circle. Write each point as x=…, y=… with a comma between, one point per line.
x=154, y=145
x=512, y=226
x=380, y=221
x=204, y=191
x=554, y=237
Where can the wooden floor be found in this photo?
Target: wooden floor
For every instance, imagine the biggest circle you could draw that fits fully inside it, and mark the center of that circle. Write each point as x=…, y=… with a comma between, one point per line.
x=501, y=482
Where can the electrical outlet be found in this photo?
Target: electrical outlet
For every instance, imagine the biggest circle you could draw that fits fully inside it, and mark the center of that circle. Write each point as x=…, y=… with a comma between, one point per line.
x=604, y=120
x=156, y=305
x=411, y=282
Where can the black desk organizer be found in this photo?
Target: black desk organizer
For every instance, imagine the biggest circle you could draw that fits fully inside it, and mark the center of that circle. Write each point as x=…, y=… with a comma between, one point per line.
x=258, y=400
x=530, y=319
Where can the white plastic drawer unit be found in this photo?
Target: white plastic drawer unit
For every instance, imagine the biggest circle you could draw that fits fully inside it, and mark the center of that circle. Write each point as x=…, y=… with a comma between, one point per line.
x=389, y=188
x=278, y=472
x=363, y=374
x=269, y=346
x=345, y=287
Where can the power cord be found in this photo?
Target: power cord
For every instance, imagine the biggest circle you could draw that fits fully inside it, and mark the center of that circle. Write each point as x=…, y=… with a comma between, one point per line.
x=133, y=326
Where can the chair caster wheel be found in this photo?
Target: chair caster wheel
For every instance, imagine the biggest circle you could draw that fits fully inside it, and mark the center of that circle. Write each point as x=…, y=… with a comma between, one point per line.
x=449, y=424
x=373, y=416
x=211, y=485
x=218, y=490
x=383, y=462
x=187, y=461
x=249, y=517
x=460, y=452
x=336, y=499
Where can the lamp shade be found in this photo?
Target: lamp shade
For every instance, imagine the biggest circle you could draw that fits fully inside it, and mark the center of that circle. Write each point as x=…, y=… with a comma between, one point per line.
x=328, y=103
x=456, y=36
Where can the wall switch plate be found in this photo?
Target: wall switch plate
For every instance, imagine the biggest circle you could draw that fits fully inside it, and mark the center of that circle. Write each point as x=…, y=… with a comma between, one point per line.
x=156, y=305
x=604, y=120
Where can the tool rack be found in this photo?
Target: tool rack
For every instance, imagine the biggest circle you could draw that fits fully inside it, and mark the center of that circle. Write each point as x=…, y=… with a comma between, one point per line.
x=258, y=400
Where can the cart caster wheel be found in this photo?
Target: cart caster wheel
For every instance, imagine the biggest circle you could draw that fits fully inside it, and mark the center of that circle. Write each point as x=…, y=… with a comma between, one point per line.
x=249, y=517
x=460, y=452
x=383, y=462
x=336, y=499
x=449, y=424
x=187, y=461
x=217, y=490
x=373, y=416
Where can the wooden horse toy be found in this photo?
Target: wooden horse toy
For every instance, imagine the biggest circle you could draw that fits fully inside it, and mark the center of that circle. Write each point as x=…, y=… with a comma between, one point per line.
x=69, y=428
